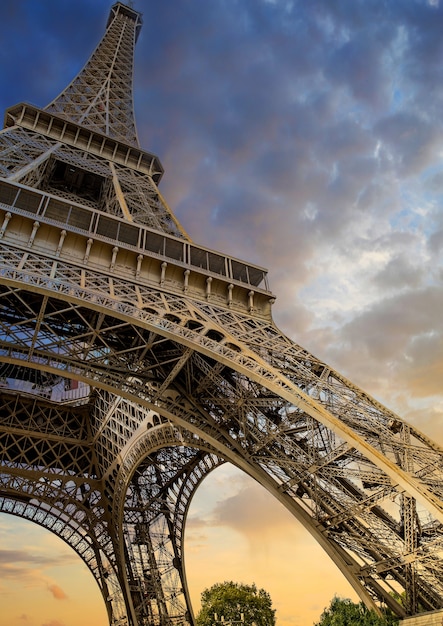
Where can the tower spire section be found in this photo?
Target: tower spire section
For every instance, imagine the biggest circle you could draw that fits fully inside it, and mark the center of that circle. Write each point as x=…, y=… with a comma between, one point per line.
x=83, y=146
x=100, y=96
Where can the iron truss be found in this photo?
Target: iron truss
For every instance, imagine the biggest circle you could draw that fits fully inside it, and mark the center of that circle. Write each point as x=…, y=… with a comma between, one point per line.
x=133, y=362
x=100, y=96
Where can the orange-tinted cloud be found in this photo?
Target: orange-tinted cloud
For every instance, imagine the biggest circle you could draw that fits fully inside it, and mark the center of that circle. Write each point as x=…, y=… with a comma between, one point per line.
x=57, y=592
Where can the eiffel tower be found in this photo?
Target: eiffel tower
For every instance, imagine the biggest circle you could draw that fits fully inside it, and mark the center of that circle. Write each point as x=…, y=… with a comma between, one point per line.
x=134, y=361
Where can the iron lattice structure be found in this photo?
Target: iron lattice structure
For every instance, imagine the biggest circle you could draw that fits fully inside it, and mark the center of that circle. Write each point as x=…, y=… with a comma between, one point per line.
x=134, y=362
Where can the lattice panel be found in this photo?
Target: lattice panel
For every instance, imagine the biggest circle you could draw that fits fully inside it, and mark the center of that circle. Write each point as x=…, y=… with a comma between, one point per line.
x=155, y=534
x=18, y=148
x=100, y=97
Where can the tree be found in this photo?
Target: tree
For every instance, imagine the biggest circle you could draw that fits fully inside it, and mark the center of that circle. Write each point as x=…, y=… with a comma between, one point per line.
x=344, y=612
x=232, y=600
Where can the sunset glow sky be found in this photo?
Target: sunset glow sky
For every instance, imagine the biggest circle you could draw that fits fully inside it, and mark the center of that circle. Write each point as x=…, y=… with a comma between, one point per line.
x=302, y=135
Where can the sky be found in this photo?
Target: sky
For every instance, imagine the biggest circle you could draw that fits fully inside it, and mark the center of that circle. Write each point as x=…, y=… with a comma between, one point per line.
x=306, y=137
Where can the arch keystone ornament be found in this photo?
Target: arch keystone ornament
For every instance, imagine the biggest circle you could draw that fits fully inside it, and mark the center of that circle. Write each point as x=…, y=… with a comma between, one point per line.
x=133, y=362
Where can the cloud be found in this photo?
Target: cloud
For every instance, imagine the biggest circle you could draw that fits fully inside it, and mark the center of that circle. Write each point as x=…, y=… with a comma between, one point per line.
x=412, y=141
x=27, y=569
x=57, y=592
x=246, y=510
x=399, y=272
x=394, y=326
x=34, y=558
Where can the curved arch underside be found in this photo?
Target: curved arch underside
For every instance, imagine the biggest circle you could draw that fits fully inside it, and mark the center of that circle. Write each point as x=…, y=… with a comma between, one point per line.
x=167, y=390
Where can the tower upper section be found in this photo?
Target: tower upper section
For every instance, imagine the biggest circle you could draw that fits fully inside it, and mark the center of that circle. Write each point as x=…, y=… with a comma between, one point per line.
x=77, y=164
x=100, y=96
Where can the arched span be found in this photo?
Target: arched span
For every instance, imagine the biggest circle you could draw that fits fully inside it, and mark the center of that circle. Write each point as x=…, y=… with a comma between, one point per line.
x=87, y=546
x=327, y=451
x=143, y=450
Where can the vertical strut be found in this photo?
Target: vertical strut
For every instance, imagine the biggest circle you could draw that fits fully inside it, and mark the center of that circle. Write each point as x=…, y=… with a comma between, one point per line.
x=409, y=522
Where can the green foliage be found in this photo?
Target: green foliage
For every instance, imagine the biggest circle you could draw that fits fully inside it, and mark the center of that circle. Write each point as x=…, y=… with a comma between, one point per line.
x=344, y=612
x=231, y=599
